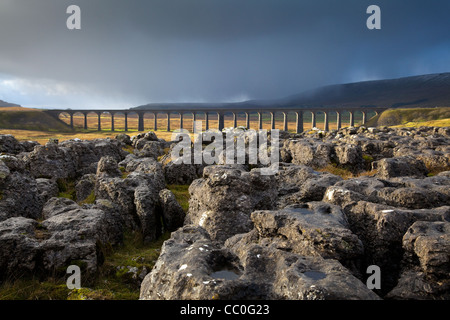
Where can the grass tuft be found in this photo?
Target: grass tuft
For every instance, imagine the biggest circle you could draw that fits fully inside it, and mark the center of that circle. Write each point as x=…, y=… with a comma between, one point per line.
x=181, y=193
x=66, y=188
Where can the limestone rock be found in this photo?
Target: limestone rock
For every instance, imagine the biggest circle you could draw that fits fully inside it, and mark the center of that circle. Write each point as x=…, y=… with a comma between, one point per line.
x=19, y=197
x=222, y=201
x=47, y=188
x=18, y=246
x=299, y=184
x=10, y=145
x=429, y=243
x=172, y=213
x=85, y=186
x=56, y=206
x=315, y=155
x=400, y=167
x=191, y=266
x=107, y=166
x=350, y=156
x=381, y=229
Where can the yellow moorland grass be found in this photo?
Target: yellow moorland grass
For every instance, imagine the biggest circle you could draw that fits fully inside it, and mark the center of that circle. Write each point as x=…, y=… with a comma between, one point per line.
x=430, y=123
x=43, y=136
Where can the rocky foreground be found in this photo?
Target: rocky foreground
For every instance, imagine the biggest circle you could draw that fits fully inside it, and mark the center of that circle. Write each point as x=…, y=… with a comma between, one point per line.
x=302, y=233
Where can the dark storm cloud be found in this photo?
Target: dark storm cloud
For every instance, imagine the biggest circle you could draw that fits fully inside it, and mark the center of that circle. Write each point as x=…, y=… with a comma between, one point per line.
x=135, y=52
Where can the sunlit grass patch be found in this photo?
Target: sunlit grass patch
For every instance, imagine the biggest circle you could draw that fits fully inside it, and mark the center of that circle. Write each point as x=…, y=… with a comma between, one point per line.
x=181, y=193
x=345, y=173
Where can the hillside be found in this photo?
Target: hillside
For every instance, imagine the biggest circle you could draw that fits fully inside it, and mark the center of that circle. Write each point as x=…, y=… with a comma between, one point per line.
x=412, y=117
x=418, y=91
x=28, y=119
x=4, y=104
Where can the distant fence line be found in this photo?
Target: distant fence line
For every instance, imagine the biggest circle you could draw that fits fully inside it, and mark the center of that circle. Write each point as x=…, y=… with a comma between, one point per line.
x=219, y=116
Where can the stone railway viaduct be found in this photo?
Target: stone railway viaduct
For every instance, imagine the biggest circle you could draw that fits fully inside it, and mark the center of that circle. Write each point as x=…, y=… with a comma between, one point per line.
x=219, y=114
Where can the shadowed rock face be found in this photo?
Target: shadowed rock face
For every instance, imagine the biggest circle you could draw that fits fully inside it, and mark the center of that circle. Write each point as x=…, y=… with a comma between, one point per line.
x=298, y=234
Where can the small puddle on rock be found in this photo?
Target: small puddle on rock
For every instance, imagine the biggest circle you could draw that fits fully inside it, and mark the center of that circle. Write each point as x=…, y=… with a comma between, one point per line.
x=304, y=210
x=315, y=275
x=300, y=210
x=225, y=275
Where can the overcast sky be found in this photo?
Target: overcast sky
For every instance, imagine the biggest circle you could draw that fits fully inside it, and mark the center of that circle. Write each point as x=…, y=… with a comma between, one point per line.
x=134, y=52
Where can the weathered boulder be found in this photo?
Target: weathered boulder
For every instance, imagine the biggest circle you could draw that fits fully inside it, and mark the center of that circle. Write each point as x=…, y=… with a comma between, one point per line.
x=404, y=192
x=426, y=273
x=107, y=167
x=184, y=266
x=13, y=163
x=76, y=235
x=146, y=200
x=400, y=167
x=28, y=146
x=114, y=219
x=139, y=140
x=412, y=198
x=222, y=201
x=377, y=149
x=191, y=266
x=153, y=149
x=47, y=188
x=100, y=148
x=56, y=206
x=85, y=186
x=416, y=285
x=176, y=171
x=381, y=229
x=4, y=171
x=124, y=138
x=429, y=244
x=180, y=173
x=312, y=229
x=433, y=159
x=18, y=246
x=291, y=177
x=19, y=196
x=315, y=155
x=10, y=145
x=71, y=158
x=350, y=156
x=136, y=194
x=122, y=193
x=172, y=213
x=299, y=184
x=50, y=161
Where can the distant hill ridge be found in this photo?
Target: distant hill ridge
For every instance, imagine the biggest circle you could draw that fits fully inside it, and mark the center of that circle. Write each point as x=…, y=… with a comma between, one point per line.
x=417, y=91
x=4, y=104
